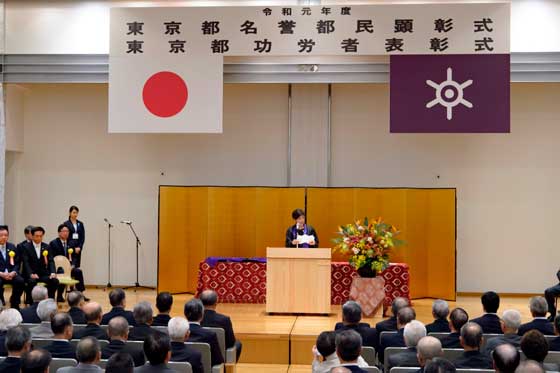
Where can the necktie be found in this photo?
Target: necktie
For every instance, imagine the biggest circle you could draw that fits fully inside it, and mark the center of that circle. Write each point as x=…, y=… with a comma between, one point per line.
x=65, y=248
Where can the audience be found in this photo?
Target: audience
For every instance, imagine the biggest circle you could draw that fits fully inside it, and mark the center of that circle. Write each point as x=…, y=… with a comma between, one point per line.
x=351, y=317
x=121, y=362
x=390, y=325
x=538, y=308
x=164, y=302
x=440, y=311
x=439, y=365
x=93, y=313
x=36, y=361
x=29, y=314
x=554, y=345
x=457, y=319
x=490, y=322
x=194, y=312
x=405, y=315
x=9, y=318
x=428, y=349
x=157, y=348
x=506, y=358
x=178, y=329
x=118, y=335
x=348, y=349
x=471, y=340
x=535, y=347
x=18, y=342
x=511, y=320
x=117, y=298
x=45, y=310
x=211, y=318
x=76, y=302
x=62, y=328
x=88, y=356
x=413, y=332
x=143, y=316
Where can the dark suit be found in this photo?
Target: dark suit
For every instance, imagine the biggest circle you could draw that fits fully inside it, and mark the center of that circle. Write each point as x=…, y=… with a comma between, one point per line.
x=217, y=320
x=161, y=320
x=91, y=330
x=406, y=358
x=11, y=365
x=392, y=340
x=473, y=360
x=76, y=243
x=292, y=233
x=77, y=316
x=355, y=369
x=550, y=294
x=542, y=325
x=199, y=334
x=148, y=368
x=118, y=311
x=554, y=345
x=140, y=332
x=119, y=346
x=36, y=265
x=58, y=248
x=490, y=323
x=3, y=351
x=18, y=283
x=369, y=335
x=438, y=326
x=29, y=314
x=181, y=352
x=492, y=343
x=61, y=349
x=451, y=341
x=389, y=325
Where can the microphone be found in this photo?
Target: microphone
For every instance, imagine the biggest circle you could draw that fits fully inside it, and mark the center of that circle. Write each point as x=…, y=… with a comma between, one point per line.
x=126, y=222
x=107, y=221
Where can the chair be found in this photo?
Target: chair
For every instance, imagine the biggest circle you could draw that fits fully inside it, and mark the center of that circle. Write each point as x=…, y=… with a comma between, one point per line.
x=475, y=371
x=221, y=334
x=553, y=357
x=103, y=363
x=404, y=369
x=106, y=327
x=487, y=337
x=452, y=354
x=28, y=325
x=372, y=369
x=64, y=278
x=391, y=351
x=204, y=349
x=550, y=338
x=180, y=366
x=439, y=335
x=5, y=286
x=41, y=343
x=79, y=327
x=162, y=329
x=2, y=358
x=56, y=364
x=368, y=353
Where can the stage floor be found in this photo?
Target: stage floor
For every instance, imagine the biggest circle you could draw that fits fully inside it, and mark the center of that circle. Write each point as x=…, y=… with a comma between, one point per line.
x=282, y=343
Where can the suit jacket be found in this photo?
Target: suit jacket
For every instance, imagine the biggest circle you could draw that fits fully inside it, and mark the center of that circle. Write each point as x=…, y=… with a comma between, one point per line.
x=291, y=235
x=542, y=325
x=393, y=340
x=161, y=320
x=554, y=345
x=11, y=365
x=182, y=352
x=217, y=320
x=491, y=344
x=451, y=341
x=341, y=324
x=406, y=358
x=57, y=248
x=91, y=330
x=119, y=346
x=140, y=332
x=199, y=334
x=5, y=264
x=438, y=326
x=77, y=315
x=29, y=314
x=490, y=323
x=118, y=311
x=79, y=242
x=149, y=368
x=61, y=349
x=43, y=330
x=389, y=325
x=473, y=360
x=32, y=264
x=369, y=335
x=3, y=350
x=80, y=368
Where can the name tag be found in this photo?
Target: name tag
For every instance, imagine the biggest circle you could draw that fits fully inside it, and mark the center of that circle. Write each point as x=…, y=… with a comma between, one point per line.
x=75, y=236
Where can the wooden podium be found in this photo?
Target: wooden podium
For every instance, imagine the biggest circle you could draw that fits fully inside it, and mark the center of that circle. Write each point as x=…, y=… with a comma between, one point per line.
x=298, y=280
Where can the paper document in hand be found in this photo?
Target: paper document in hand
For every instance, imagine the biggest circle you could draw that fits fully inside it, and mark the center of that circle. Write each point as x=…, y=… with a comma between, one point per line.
x=305, y=239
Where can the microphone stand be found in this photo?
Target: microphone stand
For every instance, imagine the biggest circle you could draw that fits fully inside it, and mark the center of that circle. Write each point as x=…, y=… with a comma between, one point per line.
x=138, y=244
x=109, y=226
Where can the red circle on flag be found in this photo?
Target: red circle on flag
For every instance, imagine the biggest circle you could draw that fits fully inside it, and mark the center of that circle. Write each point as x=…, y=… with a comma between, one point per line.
x=165, y=94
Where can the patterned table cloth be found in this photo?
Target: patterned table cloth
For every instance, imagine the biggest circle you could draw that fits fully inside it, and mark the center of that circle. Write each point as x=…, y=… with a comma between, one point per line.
x=245, y=282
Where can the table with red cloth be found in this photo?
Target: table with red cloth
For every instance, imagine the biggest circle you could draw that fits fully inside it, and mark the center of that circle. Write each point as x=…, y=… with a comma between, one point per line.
x=245, y=281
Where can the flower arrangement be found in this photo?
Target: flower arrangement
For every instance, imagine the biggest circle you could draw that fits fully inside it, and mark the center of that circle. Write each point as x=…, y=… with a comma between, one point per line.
x=368, y=243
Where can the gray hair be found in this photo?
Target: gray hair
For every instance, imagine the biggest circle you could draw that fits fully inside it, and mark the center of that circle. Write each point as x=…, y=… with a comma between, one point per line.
x=538, y=306
x=512, y=319
x=351, y=312
x=16, y=338
x=39, y=293
x=398, y=304
x=429, y=347
x=10, y=318
x=46, y=309
x=118, y=327
x=142, y=312
x=178, y=328
x=440, y=309
x=471, y=333
x=87, y=350
x=413, y=332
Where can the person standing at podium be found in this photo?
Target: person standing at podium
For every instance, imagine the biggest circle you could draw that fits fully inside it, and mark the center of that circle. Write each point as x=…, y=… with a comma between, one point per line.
x=300, y=228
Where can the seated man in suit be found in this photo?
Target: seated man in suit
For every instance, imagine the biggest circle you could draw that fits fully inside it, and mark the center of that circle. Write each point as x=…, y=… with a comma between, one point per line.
x=62, y=328
x=538, y=308
x=324, y=354
x=194, y=312
x=76, y=302
x=351, y=317
x=10, y=263
x=554, y=345
x=439, y=365
x=471, y=340
x=390, y=325
x=413, y=332
x=45, y=310
x=143, y=316
x=490, y=321
x=178, y=329
x=428, y=348
x=27, y=234
x=88, y=356
x=550, y=294
x=511, y=320
x=59, y=246
x=117, y=298
x=405, y=315
x=440, y=311
x=121, y=362
x=157, y=348
x=38, y=263
x=164, y=302
x=535, y=347
x=118, y=335
x=457, y=319
x=214, y=319
x=29, y=314
x=9, y=318
x=92, y=313
x=37, y=360
x=506, y=358
x=348, y=349
x=18, y=342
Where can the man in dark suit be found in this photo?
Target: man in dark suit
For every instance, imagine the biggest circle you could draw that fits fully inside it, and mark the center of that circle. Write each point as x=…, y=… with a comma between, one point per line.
x=60, y=246
x=38, y=263
x=506, y=358
x=214, y=319
x=490, y=321
x=413, y=332
x=390, y=325
x=471, y=340
x=92, y=312
x=10, y=262
x=179, y=333
x=554, y=345
x=429, y=348
x=538, y=308
x=117, y=298
x=457, y=319
x=29, y=314
x=76, y=302
x=120, y=362
x=62, y=328
x=511, y=320
x=405, y=315
x=37, y=360
x=348, y=349
x=18, y=342
x=27, y=233
x=535, y=347
x=118, y=335
x=194, y=312
x=440, y=311
x=157, y=348
x=550, y=294
x=88, y=356
x=164, y=302
x=351, y=317
x=143, y=316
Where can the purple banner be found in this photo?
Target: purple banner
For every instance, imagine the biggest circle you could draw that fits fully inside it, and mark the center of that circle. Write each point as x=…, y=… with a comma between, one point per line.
x=450, y=93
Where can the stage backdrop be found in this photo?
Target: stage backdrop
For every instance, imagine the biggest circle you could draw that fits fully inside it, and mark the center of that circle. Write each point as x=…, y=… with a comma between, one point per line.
x=197, y=222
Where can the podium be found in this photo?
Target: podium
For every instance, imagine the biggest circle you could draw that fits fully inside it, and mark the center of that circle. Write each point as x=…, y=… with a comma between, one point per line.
x=298, y=280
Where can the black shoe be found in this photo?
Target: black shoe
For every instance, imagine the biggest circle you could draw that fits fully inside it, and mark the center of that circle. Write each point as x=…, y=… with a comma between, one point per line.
x=551, y=318
x=86, y=299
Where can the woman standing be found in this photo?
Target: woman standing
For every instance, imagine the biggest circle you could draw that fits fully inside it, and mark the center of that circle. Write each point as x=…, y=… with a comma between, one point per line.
x=300, y=228
x=77, y=235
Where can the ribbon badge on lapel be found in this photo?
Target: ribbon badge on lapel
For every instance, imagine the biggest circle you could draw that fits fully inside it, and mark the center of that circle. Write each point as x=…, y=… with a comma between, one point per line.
x=11, y=254
x=45, y=254
x=70, y=252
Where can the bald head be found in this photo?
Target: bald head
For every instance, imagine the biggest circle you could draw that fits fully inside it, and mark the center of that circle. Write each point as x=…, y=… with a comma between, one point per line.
x=118, y=328
x=471, y=336
x=529, y=366
x=428, y=348
x=506, y=358
x=209, y=299
x=93, y=312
